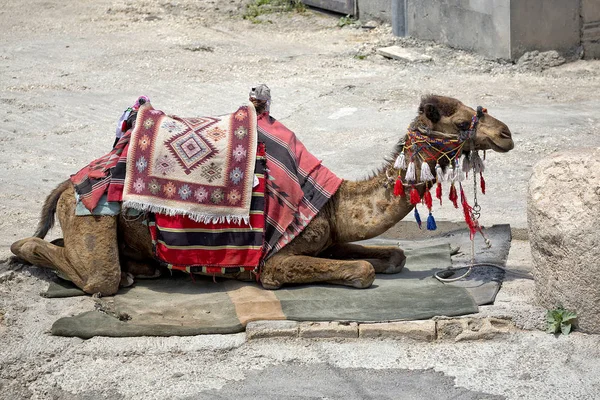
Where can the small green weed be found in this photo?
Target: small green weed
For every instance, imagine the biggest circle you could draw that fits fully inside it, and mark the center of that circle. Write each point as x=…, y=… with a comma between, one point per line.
x=262, y=7
x=347, y=20
x=560, y=320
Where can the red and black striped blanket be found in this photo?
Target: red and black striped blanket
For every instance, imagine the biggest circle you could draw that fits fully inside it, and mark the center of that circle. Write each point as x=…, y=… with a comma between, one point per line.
x=296, y=186
x=106, y=175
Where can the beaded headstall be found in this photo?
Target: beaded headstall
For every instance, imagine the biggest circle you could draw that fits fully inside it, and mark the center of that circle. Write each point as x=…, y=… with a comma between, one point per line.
x=420, y=149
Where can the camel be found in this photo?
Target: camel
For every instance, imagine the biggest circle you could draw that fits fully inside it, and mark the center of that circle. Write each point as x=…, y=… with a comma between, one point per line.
x=97, y=250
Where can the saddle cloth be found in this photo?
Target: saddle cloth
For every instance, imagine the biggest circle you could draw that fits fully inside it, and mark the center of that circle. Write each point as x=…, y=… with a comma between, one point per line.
x=200, y=167
x=295, y=184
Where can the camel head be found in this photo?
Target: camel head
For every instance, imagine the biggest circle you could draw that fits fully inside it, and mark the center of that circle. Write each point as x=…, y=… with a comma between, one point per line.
x=452, y=119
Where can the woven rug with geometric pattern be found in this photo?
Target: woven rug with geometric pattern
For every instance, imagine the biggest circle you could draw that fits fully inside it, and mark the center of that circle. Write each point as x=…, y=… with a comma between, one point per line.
x=200, y=167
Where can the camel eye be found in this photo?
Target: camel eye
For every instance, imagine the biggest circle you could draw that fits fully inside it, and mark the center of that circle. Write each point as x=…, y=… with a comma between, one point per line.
x=463, y=126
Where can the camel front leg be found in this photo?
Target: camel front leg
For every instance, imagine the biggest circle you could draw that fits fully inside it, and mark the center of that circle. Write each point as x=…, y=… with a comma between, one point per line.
x=385, y=259
x=292, y=269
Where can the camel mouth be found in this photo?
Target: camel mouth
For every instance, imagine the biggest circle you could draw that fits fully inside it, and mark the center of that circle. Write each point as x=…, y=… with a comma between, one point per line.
x=505, y=147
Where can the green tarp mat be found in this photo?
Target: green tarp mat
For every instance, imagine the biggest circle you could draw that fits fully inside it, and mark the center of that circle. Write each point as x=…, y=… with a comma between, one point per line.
x=181, y=306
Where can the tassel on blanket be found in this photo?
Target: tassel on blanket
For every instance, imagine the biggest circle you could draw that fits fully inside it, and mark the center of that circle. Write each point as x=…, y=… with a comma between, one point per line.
x=399, y=188
x=453, y=196
x=450, y=175
x=478, y=165
x=439, y=174
x=417, y=217
x=428, y=200
x=426, y=175
x=411, y=173
x=482, y=183
x=460, y=176
x=431, y=225
x=467, y=211
x=466, y=165
x=400, y=162
x=438, y=192
x=414, y=196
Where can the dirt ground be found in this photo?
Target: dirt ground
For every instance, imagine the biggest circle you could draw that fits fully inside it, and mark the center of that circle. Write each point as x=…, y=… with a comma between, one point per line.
x=68, y=70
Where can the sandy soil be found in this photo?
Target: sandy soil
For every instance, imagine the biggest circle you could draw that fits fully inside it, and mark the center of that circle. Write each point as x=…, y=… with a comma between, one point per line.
x=68, y=69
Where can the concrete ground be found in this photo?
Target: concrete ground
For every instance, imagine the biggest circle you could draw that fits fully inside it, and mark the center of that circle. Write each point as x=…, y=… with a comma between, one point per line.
x=68, y=69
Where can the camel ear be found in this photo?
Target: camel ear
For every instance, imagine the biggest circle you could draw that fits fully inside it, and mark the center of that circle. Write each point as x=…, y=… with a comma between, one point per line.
x=432, y=113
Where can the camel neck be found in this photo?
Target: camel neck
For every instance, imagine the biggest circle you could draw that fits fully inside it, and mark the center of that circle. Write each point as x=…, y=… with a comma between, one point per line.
x=365, y=209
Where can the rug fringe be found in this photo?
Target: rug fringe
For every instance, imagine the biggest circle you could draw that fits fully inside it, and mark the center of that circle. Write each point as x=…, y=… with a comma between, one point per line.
x=196, y=217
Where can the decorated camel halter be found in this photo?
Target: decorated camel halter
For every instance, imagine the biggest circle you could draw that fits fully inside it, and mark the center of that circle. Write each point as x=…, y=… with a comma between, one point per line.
x=421, y=149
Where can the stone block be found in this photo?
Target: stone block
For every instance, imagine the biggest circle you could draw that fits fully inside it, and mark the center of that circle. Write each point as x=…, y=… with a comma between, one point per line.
x=328, y=330
x=404, y=54
x=472, y=328
x=270, y=329
x=563, y=210
x=415, y=330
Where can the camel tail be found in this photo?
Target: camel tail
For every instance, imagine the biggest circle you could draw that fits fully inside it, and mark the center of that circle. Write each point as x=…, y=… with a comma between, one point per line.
x=49, y=210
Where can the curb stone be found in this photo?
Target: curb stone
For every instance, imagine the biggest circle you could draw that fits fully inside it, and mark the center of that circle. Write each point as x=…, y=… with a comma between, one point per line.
x=472, y=328
x=270, y=329
x=415, y=330
x=328, y=330
x=457, y=329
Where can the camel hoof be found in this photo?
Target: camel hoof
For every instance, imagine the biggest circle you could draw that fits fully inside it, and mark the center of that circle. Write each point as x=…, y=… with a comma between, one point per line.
x=126, y=279
x=364, y=283
x=395, y=268
x=365, y=278
x=270, y=285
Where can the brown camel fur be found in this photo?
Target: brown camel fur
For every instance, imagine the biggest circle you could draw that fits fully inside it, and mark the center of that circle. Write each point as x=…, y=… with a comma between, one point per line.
x=98, y=248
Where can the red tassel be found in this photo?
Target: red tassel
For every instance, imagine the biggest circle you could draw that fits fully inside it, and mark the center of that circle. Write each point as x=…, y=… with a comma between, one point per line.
x=453, y=196
x=482, y=183
x=427, y=199
x=467, y=210
x=469, y=220
x=414, y=197
x=399, y=188
x=438, y=192
x=463, y=198
x=124, y=126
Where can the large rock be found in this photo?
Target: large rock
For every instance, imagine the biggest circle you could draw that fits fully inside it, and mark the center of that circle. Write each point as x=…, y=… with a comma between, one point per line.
x=564, y=217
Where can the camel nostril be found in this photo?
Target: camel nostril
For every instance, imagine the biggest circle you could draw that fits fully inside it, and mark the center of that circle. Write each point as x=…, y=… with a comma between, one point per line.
x=505, y=134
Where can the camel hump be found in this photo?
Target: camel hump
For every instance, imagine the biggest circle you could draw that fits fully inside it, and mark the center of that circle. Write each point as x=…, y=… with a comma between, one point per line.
x=49, y=210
